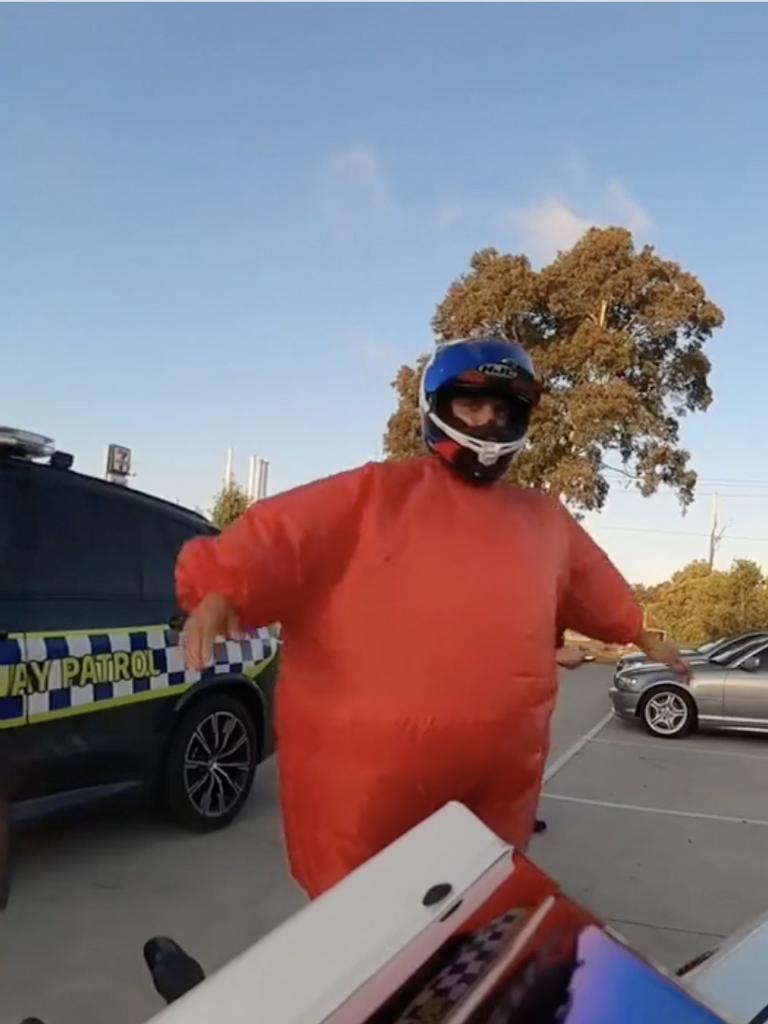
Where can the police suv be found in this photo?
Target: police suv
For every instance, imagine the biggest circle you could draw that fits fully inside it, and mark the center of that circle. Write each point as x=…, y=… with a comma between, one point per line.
x=94, y=695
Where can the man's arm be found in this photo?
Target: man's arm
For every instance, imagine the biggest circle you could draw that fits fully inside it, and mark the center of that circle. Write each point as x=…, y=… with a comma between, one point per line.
x=279, y=555
x=569, y=657
x=598, y=602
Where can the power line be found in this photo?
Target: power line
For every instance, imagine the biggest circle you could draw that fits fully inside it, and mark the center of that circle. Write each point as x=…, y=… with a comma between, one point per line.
x=711, y=481
x=732, y=481
x=697, y=494
x=675, y=533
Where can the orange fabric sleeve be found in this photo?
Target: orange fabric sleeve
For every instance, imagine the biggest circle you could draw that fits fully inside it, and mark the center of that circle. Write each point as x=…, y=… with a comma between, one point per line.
x=279, y=554
x=597, y=601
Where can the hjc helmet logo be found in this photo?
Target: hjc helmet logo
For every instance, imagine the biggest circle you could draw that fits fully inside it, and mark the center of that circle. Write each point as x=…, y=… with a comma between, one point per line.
x=499, y=370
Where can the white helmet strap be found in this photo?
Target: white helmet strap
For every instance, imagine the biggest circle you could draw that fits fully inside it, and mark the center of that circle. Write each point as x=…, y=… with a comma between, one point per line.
x=488, y=452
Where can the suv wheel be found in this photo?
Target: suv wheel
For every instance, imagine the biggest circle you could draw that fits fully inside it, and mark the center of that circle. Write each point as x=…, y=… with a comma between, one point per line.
x=211, y=763
x=668, y=712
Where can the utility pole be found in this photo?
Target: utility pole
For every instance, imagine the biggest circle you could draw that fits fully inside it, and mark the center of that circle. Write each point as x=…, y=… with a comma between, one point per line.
x=716, y=533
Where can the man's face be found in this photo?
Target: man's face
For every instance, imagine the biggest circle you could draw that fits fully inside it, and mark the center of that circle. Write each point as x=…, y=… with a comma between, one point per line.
x=480, y=410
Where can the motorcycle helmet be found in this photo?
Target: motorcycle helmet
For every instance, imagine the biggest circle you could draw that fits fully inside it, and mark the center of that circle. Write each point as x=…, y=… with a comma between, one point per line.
x=487, y=367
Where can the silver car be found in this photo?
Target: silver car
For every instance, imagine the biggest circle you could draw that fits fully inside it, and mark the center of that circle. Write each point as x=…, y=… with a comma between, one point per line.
x=702, y=653
x=728, y=690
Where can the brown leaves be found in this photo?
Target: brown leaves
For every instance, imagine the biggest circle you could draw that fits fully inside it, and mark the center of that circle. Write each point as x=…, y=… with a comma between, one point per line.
x=493, y=298
x=404, y=437
x=618, y=337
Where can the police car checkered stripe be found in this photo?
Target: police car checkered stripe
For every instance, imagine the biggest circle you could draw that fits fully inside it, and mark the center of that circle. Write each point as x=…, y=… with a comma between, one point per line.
x=11, y=708
x=82, y=670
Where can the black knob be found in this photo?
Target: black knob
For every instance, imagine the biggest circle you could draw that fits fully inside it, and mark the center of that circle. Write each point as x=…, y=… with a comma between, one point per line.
x=437, y=894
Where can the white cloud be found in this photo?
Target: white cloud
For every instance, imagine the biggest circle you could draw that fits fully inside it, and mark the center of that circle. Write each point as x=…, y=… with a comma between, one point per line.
x=630, y=212
x=358, y=171
x=548, y=227
x=551, y=224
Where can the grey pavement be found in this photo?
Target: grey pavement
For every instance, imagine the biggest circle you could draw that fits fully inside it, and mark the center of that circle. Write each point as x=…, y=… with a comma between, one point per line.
x=667, y=840
x=88, y=893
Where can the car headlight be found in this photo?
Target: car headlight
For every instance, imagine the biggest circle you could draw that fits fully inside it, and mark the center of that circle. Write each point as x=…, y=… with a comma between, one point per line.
x=628, y=683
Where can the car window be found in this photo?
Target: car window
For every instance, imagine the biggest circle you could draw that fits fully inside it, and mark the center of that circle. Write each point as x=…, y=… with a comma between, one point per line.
x=74, y=555
x=68, y=553
x=16, y=529
x=723, y=654
x=762, y=656
x=85, y=542
x=162, y=536
x=735, y=650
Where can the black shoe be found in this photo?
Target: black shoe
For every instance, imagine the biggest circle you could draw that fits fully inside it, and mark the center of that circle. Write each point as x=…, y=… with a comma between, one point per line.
x=173, y=971
x=539, y=826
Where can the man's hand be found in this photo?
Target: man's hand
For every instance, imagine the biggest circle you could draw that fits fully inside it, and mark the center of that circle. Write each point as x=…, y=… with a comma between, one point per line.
x=213, y=617
x=569, y=657
x=665, y=653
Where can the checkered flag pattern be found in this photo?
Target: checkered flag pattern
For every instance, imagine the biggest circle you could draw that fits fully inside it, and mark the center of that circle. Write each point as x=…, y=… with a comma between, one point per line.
x=472, y=958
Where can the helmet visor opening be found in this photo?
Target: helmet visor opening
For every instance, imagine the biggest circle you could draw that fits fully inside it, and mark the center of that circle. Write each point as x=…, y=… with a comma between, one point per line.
x=484, y=414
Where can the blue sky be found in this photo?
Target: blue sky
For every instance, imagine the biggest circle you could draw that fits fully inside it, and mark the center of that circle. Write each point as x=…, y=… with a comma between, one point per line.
x=228, y=225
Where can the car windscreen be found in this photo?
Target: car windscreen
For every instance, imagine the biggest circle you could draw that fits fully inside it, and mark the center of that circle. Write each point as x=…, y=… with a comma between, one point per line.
x=733, y=651
x=712, y=647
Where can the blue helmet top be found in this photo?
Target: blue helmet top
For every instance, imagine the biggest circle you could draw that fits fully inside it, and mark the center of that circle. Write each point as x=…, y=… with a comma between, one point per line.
x=498, y=361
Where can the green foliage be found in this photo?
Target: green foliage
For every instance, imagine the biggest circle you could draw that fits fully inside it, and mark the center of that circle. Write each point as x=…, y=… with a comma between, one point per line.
x=229, y=504
x=699, y=604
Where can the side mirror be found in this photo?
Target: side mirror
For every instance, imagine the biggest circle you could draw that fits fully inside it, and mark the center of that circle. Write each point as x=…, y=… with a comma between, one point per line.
x=751, y=664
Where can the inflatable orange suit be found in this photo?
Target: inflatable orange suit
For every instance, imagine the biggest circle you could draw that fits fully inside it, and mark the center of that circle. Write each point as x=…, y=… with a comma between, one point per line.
x=420, y=601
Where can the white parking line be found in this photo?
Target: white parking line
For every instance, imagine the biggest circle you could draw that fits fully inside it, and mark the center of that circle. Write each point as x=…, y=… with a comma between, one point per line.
x=573, y=750
x=682, y=748
x=654, y=810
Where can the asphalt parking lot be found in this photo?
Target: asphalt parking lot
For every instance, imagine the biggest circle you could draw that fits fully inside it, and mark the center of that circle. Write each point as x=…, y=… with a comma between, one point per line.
x=667, y=840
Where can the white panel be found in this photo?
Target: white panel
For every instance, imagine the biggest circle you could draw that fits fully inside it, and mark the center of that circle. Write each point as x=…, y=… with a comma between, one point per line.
x=123, y=689
x=337, y=958
x=81, y=695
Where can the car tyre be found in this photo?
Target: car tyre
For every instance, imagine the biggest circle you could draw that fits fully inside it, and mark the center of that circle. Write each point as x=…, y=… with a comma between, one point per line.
x=210, y=764
x=668, y=712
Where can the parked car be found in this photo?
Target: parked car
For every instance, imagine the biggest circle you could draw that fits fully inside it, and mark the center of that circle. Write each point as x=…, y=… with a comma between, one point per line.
x=94, y=694
x=728, y=690
x=709, y=650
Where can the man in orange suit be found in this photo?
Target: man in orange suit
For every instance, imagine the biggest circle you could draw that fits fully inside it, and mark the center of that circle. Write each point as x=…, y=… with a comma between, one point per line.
x=419, y=600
